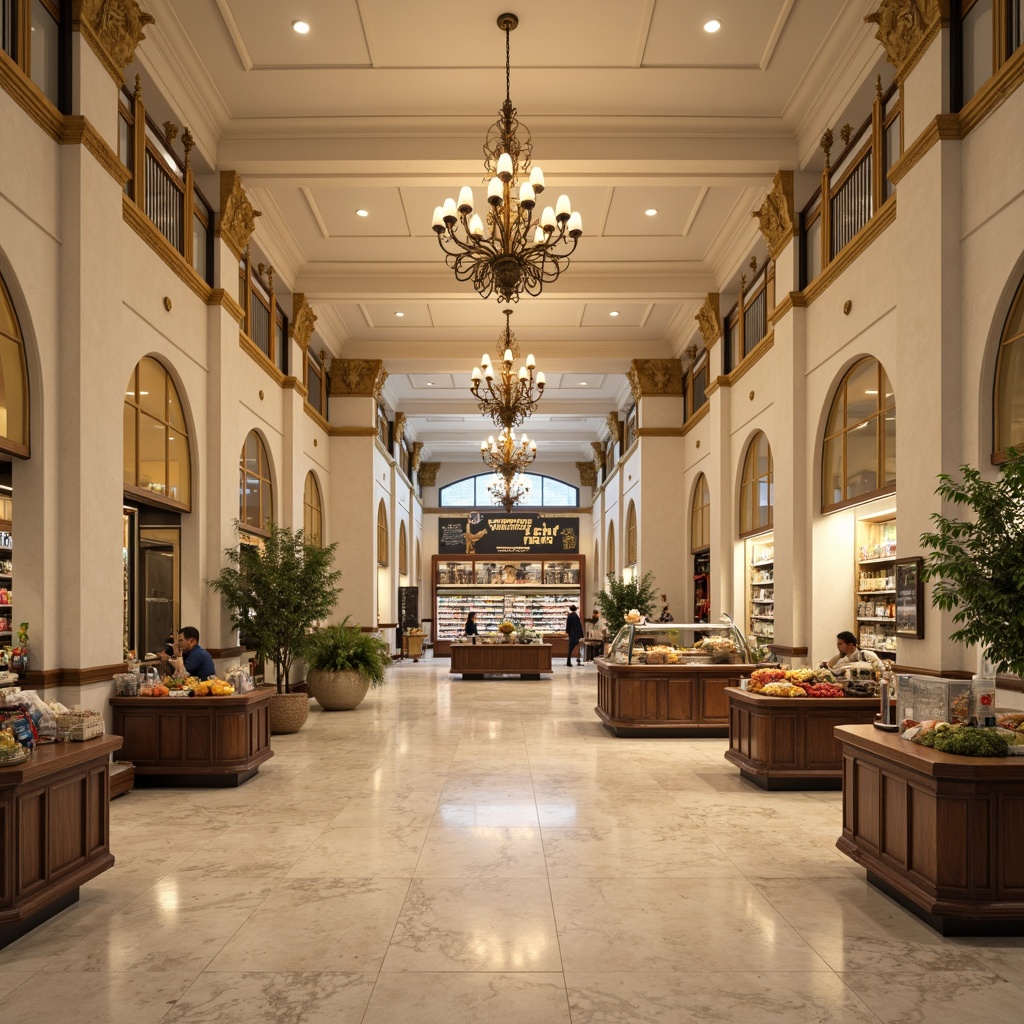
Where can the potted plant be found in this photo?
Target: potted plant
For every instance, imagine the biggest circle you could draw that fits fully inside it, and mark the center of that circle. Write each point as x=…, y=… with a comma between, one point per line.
x=621, y=596
x=979, y=562
x=413, y=643
x=275, y=593
x=343, y=663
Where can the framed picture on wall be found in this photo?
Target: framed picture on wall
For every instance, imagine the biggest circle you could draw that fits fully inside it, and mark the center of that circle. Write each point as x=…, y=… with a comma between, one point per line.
x=909, y=598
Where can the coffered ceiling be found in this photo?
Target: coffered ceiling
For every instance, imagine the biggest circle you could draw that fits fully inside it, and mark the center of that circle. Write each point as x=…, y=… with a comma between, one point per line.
x=383, y=107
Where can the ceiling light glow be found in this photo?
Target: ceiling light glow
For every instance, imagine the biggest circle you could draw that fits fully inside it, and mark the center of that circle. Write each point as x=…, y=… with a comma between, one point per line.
x=614, y=312
x=302, y=27
x=399, y=314
x=362, y=213
x=651, y=212
x=713, y=25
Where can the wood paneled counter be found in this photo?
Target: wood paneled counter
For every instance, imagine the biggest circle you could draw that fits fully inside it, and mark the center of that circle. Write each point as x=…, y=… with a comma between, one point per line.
x=55, y=830
x=195, y=741
x=665, y=700
x=939, y=833
x=790, y=742
x=475, y=661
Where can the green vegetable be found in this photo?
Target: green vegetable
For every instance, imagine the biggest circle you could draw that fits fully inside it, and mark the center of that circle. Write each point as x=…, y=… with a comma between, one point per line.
x=926, y=739
x=970, y=742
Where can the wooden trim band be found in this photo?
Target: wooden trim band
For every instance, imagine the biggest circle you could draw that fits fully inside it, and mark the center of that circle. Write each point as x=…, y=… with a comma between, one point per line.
x=789, y=652
x=253, y=350
x=46, y=678
x=317, y=418
x=658, y=432
x=789, y=301
x=721, y=381
x=941, y=127
x=993, y=93
x=30, y=98
x=755, y=354
x=945, y=673
x=700, y=414
x=80, y=131
x=294, y=384
x=219, y=297
x=353, y=432
x=148, y=232
x=225, y=652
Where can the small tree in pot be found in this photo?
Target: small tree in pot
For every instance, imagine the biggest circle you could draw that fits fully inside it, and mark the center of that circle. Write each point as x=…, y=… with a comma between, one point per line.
x=276, y=593
x=344, y=662
x=621, y=595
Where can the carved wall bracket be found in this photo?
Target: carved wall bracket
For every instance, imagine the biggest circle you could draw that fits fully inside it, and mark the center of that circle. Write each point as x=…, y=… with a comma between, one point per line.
x=416, y=450
x=656, y=377
x=362, y=378
x=113, y=29
x=598, y=447
x=709, y=321
x=428, y=473
x=303, y=320
x=906, y=28
x=399, y=429
x=775, y=216
x=237, y=219
x=614, y=427
x=588, y=474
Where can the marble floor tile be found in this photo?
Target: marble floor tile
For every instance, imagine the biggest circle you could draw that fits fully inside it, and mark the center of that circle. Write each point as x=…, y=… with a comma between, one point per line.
x=482, y=853
x=274, y=998
x=361, y=852
x=468, y=998
x=10, y=980
x=411, y=808
x=480, y=924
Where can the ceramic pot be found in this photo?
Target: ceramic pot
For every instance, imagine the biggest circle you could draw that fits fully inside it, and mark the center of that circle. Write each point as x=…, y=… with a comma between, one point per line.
x=337, y=691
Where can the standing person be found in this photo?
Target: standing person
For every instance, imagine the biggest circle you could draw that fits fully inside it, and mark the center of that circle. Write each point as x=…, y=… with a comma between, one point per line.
x=574, y=627
x=196, y=661
x=666, y=615
x=471, y=626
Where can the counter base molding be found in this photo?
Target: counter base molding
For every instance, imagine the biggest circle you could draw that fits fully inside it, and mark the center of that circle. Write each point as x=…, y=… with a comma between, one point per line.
x=665, y=700
x=475, y=661
x=195, y=741
x=938, y=833
x=790, y=743
x=54, y=830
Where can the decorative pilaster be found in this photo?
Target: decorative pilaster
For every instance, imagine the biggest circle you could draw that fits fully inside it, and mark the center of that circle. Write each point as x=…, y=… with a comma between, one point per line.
x=428, y=473
x=656, y=377
x=303, y=321
x=775, y=216
x=237, y=219
x=588, y=474
x=113, y=29
x=357, y=377
x=905, y=30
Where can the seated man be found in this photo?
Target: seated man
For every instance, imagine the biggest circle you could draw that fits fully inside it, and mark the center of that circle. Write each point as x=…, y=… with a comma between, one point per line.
x=849, y=654
x=196, y=661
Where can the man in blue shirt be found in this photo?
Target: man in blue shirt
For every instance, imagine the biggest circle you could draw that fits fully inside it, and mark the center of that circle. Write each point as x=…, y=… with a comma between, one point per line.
x=197, y=661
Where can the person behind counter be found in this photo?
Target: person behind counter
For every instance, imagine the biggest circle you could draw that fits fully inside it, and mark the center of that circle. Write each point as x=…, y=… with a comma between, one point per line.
x=196, y=661
x=574, y=627
x=849, y=654
x=471, y=626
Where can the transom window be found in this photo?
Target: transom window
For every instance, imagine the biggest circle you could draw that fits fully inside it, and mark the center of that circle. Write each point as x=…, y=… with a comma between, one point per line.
x=256, y=492
x=858, y=459
x=757, y=489
x=312, y=514
x=631, y=535
x=545, y=491
x=700, y=516
x=156, y=456
x=13, y=381
x=1009, y=405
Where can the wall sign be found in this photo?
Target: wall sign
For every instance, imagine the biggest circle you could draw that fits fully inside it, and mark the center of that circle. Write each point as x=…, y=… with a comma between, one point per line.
x=501, y=533
x=909, y=598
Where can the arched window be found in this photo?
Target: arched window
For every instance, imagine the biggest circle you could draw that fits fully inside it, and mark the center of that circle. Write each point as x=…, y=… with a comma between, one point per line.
x=382, y=534
x=597, y=564
x=631, y=535
x=610, y=568
x=1009, y=405
x=418, y=563
x=700, y=516
x=156, y=458
x=256, y=492
x=312, y=514
x=545, y=491
x=403, y=556
x=13, y=381
x=858, y=458
x=757, y=492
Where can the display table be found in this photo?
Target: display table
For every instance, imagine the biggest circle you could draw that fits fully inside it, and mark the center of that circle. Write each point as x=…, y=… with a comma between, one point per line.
x=475, y=661
x=665, y=700
x=195, y=741
x=941, y=834
x=790, y=742
x=54, y=830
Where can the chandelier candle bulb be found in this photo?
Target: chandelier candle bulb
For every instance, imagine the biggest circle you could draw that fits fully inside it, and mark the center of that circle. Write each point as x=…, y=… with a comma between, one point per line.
x=508, y=357
x=476, y=374
x=563, y=208
x=465, y=199
x=495, y=192
x=522, y=373
x=527, y=198
x=575, y=224
x=476, y=226
x=531, y=363
x=547, y=219
x=505, y=167
x=539, y=237
x=438, y=218
x=450, y=213
x=541, y=380
x=537, y=180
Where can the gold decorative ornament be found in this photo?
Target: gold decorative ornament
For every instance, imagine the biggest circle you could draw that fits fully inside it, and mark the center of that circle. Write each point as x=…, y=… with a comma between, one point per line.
x=845, y=132
x=751, y=396
x=510, y=400
x=847, y=306
x=237, y=219
x=775, y=215
x=362, y=378
x=614, y=426
x=170, y=130
x=698, y=443
x=905, y=27
x=416, y=450
x=753, y=264
x=598, y=447
x=399, y=428
x=634, y=383
x=303, y=321
x=507, y=456
x=115, y=26
x=261, y=395
x=657, y=376
x=691, y=349
x=826, y=145
x=508, y=252
x=315, y=442
x=167, y=303
x=188, y=143
x=428, y=473
x=588, y=474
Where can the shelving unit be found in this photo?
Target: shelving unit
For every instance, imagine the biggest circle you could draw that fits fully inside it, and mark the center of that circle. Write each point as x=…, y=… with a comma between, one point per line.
x=6, y=580
x=875, y=585
x=702, y=586
x=760, y=558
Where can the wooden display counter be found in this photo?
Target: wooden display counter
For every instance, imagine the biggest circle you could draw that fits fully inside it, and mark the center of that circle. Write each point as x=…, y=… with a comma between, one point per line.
x=475, y=661
x=55, y=830
x=941, y=834
x=790, y=742
x=665, y=700
x=558, y=642
x=195, y=741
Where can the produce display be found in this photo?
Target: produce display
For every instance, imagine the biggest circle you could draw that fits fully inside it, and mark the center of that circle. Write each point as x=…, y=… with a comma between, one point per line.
x=969, y=740
x=188, y=686
x=798, y=682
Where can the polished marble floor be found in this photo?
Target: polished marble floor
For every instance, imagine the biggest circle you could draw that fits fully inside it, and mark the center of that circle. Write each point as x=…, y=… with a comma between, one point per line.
x=470, y=852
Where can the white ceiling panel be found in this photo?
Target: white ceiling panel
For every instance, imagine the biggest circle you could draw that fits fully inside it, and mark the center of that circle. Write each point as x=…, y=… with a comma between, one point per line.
x=398, y=314
x=676, y=209
x=335, y=210
x=616, y=316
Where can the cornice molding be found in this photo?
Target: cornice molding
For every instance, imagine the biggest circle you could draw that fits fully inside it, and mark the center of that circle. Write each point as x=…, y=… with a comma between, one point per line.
x=30, y=98
x=789, y=301
x=148, y=232
x=941, y=127
x=655, y=377
x=219, y=297
x=80, y=131
x=294, y=384
x=46, y=678
x=359, y=378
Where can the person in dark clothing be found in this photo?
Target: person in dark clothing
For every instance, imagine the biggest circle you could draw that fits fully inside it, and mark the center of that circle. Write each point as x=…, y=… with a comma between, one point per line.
x=196, y=660
x=574, y=627
x=471, y=627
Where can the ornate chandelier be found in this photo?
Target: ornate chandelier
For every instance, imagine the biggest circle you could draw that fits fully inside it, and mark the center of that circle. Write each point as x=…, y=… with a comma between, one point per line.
x=509, y=492
x=507, y=457
x=496, y=251
x=512, y=398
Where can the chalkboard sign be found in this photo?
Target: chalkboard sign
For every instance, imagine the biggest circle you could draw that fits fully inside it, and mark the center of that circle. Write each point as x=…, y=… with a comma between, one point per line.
x=504, y=533
x=909, y=598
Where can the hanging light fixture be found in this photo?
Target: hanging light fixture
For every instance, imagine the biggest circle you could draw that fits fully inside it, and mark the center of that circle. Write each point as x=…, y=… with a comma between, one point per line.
x=496, y=251
x=509, y=492
x=512, y=397
x=506, y=456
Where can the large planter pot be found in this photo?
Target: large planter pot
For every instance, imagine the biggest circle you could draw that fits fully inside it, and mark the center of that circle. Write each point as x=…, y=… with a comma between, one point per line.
x=288, y=712
x=337, y=691
x=414, y=647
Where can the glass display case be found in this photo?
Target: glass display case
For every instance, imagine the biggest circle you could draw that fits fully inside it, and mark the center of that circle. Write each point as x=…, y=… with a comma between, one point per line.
x=679, y=643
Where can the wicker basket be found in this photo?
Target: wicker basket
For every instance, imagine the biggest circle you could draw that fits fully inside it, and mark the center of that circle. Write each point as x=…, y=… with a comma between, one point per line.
x=76, y=726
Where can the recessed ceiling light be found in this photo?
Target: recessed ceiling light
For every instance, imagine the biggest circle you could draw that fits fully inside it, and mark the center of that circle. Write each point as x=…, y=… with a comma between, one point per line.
x=583, y=383
x=399, y=314
x=614, y=312
x=362, y=213
x=430, y=383
x=651, y=212
x=302, y=27
x=713, y=25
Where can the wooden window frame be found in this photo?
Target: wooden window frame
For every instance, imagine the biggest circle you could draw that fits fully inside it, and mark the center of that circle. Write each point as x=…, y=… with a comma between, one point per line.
x=249, y=277
x=700, y=513
x=312, y=510
x=60, y=11
x=383, y=535
x=9, y=446
x=403, y=551
x=750, y=482
x=999, y=448
x=265, y=486
x=320, y=363
x=631, y=535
